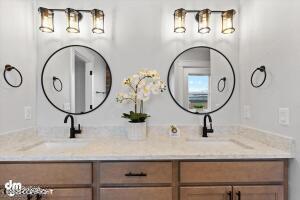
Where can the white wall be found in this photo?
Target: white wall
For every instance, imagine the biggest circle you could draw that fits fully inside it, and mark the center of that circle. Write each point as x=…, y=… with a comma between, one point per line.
x=17, y=47
x=219, y=69
x=60, y=67
x=270, y=36
x=138, y=34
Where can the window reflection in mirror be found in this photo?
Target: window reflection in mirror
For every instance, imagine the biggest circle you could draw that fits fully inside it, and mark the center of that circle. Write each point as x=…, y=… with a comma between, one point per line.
x=193, y=80
x=198, y=89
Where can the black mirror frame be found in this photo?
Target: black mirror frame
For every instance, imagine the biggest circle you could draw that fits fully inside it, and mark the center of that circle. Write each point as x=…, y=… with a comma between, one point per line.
x=42, y=76
x=233, y=88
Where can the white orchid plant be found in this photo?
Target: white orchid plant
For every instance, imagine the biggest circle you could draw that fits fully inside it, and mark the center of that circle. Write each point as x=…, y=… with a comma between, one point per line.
x=140, y=87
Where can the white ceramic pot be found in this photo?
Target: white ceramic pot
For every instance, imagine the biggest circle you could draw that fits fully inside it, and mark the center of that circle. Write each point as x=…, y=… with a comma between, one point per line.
x=137, y=131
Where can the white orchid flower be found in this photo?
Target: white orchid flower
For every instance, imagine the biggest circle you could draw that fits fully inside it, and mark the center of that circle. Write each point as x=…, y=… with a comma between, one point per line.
x=140, y=87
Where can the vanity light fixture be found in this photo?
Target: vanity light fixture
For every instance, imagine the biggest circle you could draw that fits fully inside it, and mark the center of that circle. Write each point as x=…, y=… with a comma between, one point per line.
x=203, y=20
x=98, y=21
x=179, y=20
x=46, y=20
x=227, y=21
x=73, y=18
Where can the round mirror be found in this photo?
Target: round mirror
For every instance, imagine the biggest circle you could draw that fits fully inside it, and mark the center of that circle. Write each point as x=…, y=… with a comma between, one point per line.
x=76, y=79
x=201, y=80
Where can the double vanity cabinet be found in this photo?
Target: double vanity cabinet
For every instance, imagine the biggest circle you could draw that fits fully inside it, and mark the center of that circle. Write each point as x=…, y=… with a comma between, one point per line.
x=154, y=180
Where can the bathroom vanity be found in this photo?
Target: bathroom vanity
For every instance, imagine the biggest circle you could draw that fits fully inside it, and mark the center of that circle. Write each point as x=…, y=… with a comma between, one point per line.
x=160, y=180
x=237, y=166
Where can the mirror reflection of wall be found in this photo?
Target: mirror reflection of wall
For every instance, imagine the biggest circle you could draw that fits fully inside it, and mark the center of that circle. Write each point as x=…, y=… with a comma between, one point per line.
x=194, y=76
x=85, y=75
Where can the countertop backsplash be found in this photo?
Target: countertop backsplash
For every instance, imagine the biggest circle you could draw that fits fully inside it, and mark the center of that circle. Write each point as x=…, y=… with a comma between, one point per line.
x=94, y=131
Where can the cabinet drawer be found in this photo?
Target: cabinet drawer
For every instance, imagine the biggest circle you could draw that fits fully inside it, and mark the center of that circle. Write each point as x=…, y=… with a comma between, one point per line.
x=149, y=193
x=135, y=172
x=70, y=194
x=227, y=172
x=261, y=192
x=47, y=173
x=206, y=193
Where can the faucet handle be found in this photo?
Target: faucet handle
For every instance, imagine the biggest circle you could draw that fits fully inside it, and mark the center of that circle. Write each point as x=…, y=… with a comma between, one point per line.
x=78, y=130
x=210, y=130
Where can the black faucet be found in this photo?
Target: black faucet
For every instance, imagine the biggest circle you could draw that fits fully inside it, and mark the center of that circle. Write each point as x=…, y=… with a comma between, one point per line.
x=205, y=129
x=73, y=131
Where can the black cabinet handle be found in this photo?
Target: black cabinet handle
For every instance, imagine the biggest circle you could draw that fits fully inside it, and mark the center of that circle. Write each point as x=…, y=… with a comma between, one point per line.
x=238, y=194
x=135, y=174
x=229, y=195
x=98, y=92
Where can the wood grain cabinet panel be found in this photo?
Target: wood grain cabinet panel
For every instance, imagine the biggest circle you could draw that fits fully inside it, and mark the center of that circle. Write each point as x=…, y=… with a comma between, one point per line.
x=232, y=172
x=206, y=193
x=258, y=193
x=135, y=173
x=47, y=173
x=70, y=194
x=145, y=193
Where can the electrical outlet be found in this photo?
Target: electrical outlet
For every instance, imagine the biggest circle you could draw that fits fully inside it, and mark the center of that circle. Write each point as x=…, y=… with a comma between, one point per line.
x=284, y=116
x=247, y=112
x=27, y=113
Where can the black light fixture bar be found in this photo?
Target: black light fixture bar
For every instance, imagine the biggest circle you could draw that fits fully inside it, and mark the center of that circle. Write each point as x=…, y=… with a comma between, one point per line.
x=196, y=11
x=63, y=10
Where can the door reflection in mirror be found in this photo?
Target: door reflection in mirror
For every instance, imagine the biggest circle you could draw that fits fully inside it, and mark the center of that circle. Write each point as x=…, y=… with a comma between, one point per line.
x=84, y=73
x=193, y=79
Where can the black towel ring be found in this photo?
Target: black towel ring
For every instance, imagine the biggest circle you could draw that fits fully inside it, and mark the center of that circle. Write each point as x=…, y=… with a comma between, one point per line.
x=61, y=85
x=261, y=69
x=224, y=84
x=9, y=68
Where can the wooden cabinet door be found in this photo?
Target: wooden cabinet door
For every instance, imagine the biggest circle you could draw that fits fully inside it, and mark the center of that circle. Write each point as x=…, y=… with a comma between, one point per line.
x=127, y=173
x=70, y=194
x=206, y=193
x=140, y=193
x=47, y=173
x=231, y=172
x=258, y=192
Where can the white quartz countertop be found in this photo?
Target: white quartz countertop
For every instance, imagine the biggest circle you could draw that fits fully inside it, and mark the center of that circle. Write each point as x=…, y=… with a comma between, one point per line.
x=156, y=147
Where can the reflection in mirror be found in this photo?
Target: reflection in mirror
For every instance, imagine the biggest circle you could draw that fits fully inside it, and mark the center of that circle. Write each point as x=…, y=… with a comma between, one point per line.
x=84, y=75
x=194, y=80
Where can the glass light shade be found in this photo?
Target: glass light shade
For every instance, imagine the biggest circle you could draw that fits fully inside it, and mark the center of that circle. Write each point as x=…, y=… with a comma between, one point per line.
x=179, y=20
x=227, y=21
x=203, y=21
x=98, y=21
x=46, y=20
x=72, y=20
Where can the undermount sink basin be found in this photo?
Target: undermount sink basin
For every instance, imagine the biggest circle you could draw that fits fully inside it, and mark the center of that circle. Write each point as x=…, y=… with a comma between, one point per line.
x=57, y=146
x=219, y=142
